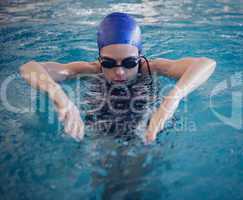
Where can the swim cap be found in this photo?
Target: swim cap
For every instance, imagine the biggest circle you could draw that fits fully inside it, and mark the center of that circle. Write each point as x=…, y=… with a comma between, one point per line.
x=119, y=28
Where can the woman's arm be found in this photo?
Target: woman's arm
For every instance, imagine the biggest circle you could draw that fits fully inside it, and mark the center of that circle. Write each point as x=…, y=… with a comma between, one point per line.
x=44, y=76
x=58, y=71
x=191, y=72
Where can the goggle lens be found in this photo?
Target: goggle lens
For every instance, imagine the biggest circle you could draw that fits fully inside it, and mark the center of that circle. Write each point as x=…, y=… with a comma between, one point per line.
x=127, y=63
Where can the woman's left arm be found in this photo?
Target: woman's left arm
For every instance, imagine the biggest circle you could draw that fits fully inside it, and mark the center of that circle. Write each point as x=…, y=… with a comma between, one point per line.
x=191, y=73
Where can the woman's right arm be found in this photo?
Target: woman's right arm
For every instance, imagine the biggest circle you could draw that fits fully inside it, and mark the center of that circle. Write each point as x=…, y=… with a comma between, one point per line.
x=45, y=75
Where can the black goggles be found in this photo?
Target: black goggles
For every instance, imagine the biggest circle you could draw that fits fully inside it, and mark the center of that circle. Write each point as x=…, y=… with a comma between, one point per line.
x=128, y=63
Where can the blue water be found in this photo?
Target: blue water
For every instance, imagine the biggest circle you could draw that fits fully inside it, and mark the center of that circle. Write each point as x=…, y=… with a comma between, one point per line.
x=198, y=157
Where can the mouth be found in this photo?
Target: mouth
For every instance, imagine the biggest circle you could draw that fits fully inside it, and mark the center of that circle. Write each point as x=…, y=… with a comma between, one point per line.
x=120, y=81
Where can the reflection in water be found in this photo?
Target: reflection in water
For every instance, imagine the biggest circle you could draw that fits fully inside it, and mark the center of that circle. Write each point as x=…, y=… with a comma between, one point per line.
x=126, y=171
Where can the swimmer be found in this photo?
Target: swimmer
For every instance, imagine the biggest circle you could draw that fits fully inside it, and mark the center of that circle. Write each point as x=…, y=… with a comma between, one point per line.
x=120, y=60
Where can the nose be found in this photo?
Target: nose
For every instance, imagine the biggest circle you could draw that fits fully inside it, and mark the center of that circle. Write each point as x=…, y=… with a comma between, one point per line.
x=120, y=72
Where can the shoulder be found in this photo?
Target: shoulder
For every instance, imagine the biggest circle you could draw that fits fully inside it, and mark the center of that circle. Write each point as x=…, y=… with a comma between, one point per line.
x=174, y=68
x=155, y=65
x=84, y=67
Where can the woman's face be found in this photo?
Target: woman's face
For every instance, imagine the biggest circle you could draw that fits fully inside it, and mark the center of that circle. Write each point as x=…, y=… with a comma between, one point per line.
x=118, y=52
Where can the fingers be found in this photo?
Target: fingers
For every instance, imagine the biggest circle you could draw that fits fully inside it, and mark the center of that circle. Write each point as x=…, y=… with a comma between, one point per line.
x=154, y=127
x=73, y=124
x=150, y=137
x=152, y=132
x=69, y=122
x=79, y=126
x=61, y=114
x=80, y=130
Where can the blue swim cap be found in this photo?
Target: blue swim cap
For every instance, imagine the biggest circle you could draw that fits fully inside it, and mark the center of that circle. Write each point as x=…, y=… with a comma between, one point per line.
x=119, y=28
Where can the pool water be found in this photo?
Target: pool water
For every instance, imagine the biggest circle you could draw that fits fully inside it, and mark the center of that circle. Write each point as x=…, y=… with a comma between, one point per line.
x=198, y=156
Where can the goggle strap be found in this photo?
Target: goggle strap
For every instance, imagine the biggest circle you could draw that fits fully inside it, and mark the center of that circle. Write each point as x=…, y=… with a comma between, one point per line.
x=148, y=66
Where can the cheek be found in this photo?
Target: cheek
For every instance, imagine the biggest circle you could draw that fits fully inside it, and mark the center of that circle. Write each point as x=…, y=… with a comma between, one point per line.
x=132, y=72
x=108, y=73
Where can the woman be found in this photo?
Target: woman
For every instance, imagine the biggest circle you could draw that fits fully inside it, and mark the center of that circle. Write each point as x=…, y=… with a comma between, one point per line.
x=120, y=60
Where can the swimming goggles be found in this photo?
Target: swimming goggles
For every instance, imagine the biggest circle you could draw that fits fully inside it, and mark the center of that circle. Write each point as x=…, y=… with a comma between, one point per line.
x=128, y=63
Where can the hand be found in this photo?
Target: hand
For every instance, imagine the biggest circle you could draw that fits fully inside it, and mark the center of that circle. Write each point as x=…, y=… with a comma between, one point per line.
x=156, y=124
x=69, y=114
x=159, y=118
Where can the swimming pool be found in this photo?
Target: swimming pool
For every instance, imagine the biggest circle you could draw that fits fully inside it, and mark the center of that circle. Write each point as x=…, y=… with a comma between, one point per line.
x=201, y=157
